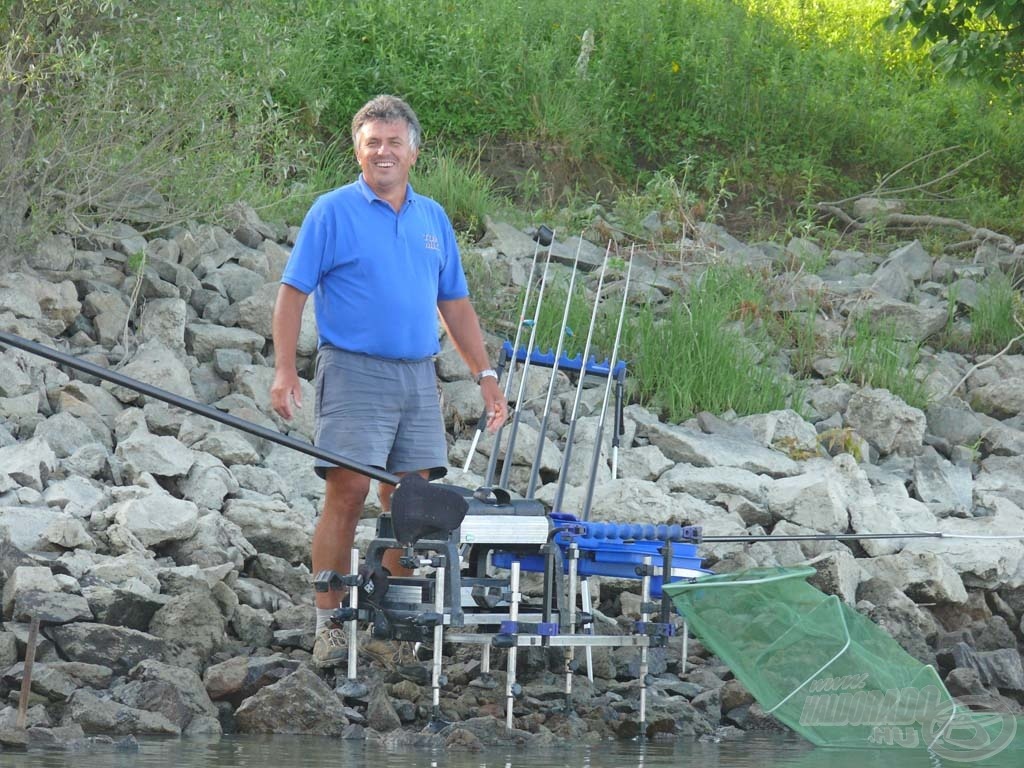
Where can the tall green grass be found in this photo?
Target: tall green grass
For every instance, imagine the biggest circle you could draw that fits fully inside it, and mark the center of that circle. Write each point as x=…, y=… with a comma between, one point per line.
x=998, y=316
x=876, y=356
x=773, y=92
x=684, y=355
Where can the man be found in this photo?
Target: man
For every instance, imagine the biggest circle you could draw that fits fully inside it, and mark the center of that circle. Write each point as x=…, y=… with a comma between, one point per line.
x=383, y=262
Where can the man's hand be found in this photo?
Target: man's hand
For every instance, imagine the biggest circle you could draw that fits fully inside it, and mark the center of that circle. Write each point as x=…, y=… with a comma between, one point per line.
x=285, y=390
x=494, y=403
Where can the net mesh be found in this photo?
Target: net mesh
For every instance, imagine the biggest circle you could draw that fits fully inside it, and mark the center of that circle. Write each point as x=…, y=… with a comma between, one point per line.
x=825, y=670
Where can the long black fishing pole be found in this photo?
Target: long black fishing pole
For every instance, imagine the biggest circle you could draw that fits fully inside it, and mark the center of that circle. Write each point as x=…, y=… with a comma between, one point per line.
x=535, y=467
x=191, y=405
x=563, y=473
x=544, y=237
x=596, y=456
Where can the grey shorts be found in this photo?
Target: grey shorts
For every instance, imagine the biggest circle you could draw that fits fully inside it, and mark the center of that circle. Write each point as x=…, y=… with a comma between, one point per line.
x=379, y=412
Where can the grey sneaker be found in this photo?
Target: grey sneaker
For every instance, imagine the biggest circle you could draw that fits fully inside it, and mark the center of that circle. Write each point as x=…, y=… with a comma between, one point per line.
x=330, y=649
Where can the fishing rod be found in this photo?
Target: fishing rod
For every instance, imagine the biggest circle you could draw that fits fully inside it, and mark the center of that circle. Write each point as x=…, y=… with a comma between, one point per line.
x=596, y=456
x=493, y=461
x=195, y=407
x=535, y=467
x=857, y=537
x=563, y=473
x=544, y=237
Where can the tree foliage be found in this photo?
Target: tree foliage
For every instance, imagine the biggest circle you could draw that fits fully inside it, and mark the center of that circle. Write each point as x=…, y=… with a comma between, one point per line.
x=973, y=38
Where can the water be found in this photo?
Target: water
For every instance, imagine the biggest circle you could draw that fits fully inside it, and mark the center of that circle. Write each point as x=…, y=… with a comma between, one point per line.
x=753, y=751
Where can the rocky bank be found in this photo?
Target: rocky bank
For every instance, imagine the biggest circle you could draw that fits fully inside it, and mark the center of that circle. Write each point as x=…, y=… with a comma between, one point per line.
x=166, y=556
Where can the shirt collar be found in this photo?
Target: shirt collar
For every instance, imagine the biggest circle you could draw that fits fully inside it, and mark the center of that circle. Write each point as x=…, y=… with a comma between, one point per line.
x=370, y=195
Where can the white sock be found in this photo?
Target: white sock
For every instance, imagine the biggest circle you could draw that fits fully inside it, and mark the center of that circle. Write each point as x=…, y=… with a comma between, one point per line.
x=323, y=615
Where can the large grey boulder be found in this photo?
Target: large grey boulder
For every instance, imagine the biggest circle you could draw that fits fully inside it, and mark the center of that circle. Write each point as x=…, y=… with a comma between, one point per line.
x=157, y=518
x=681, y=444
x=240, y=677
x=945, y=487
x=709, y=482
x=29, y=464
x=272, y=527
x=818, y=499
x=159, y=455
x=885, y=421
x=153, y=363
x=924, y=577
x=100, y=715
x=300, y=703
x=118, y=648
x=172, y=691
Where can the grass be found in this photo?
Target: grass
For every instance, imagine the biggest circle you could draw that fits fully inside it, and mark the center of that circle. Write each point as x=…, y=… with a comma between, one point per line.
x=698, y=110
x=876, y=356
x=997, y=319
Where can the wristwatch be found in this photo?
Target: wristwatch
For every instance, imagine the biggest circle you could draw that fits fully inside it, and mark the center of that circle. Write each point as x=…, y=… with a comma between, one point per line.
x=487, y=372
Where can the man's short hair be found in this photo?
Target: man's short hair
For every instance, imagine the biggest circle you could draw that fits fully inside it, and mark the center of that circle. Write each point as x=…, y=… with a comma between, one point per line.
x=388, y=109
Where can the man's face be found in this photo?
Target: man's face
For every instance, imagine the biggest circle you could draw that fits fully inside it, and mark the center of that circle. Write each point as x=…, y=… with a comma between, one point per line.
x=385, y=154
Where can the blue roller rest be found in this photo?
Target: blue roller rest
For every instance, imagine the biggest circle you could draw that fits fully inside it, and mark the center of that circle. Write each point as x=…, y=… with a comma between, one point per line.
x=615, y=549
x=566, y=363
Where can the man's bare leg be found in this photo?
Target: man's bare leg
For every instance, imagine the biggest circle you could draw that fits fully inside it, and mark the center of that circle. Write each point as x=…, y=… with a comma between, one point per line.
x=336, y=530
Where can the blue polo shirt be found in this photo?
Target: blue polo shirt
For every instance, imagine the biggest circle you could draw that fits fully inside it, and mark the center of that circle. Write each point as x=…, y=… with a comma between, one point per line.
x=377, y=275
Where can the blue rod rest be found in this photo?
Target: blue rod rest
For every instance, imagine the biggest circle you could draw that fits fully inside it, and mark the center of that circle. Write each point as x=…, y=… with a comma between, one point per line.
x=566, y=363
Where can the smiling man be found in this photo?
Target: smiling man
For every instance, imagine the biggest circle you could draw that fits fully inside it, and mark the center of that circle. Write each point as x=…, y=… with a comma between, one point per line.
x=382, y=262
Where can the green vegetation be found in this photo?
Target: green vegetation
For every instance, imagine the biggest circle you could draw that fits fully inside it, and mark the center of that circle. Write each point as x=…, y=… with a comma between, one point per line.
x=973, y=38
x=876, y=356
x=745, y=108
x=997, y=321
x=745, y=112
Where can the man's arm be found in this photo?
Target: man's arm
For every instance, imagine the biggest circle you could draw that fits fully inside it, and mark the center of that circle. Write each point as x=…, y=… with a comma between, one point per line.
x=463, y=326
x=286, y=324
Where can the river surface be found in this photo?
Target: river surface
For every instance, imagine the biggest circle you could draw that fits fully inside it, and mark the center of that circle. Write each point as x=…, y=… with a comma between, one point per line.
x=755, y=751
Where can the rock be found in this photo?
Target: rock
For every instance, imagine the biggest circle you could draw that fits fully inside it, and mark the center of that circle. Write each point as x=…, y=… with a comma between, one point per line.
x=684, y=445
x=953, y=420
x=163, y=321
x=885, y=421
x=272, y=527
x=909, y=320
x=299, y=703
x=98, y=715
x=380, y=713
x=239, y=678
x=162, y=456
x=836, y=573
x=1001, y=399
x=1001, y=669
x=216, y=540
x=204, y=338
x=903, y=268
x=176, y=693
x=982, y=564
x=123, y=607
x=191, y=626
x=29, y=464
x=709, y=482
x=153, y=363
x=784, y=431
x=946, y=488
x=924, y=576
x=898, y=616
x=817, y=499
x=157, y=518
x=118, y=648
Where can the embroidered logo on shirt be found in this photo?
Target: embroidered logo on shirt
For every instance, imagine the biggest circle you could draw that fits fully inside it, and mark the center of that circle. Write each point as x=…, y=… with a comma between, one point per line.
x=431, y=242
